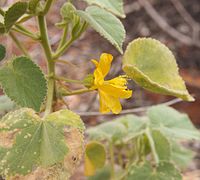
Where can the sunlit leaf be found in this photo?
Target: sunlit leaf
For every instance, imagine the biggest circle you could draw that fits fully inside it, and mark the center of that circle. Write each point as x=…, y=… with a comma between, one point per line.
x=152, y=65
x=23, y=82
x=114, y=6
x=95, y=157
x=106, y=24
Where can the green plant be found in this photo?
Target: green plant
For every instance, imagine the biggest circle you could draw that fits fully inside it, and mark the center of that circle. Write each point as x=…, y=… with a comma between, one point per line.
x=146, y=147
x=39, y=142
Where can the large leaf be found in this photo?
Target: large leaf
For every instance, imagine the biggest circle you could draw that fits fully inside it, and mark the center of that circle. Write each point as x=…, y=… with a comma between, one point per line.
x=172, y=123
x=2, y=52
x=162, y=145
x=111, y=131
x=23, y=82
x=164, y=171
x=106, y=24
x=152, y=65
x=114, y=6
x=37, y=142
x=95, y=157
x=103, y=173
x=181, y=156
x=135, y=125
x=14, y=13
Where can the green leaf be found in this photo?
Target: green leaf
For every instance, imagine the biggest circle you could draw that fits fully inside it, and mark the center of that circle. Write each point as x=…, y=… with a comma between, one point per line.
x=114, y=6
x=162, y=145
x=23, y=82
x=135, y=125
x=95, y=158
x=67, y=118
x=152, y=65
x=32, y=6
x=164, y=171
x=172, y=123
x=6, y=105
x=2, y=52
x=2, y=28
x=102, y=174
x=37, y=142
x=111, y=131
x=16, y=11
x=106, y=24
x=181, y=156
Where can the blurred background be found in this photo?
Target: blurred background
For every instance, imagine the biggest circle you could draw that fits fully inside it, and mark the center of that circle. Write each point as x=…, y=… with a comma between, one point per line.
x=176, y=23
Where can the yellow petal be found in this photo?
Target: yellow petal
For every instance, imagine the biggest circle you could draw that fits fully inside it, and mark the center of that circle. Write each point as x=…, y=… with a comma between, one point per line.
x=105, y=63
x=98, y=77
x=108, y=103
x=95, y=62
x=103, y=108
x=119, y=81
x=116, y=91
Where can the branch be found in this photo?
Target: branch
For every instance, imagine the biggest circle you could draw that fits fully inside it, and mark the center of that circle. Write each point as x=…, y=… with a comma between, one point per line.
x=165, y=26
x=129, y=111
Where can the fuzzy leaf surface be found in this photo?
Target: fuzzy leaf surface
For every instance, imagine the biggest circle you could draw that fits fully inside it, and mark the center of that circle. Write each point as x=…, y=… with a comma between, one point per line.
x=114, y=6
x=153, y=66
x=14, y=13
x=172, y=123
x=106, y=24
x=23, y=82
x=36, y=142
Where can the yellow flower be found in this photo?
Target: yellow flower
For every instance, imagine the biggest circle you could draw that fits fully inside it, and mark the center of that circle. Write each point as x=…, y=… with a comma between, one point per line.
x=110, y=91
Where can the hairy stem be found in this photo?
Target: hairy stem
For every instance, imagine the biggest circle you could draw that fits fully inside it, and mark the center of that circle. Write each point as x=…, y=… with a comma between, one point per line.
x=75, y=92
x=68, y=80
x=51, y=64
x=18, y=44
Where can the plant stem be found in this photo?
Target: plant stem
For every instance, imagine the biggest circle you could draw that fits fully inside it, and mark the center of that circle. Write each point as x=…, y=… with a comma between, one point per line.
x=152, y=145
x=51, y=64
x=47, y=7
x=64, y=37
x=26, y=34
x=68, y=80
x=19, y=45
x=80, y=91
x=60, y=51
x=112, y=160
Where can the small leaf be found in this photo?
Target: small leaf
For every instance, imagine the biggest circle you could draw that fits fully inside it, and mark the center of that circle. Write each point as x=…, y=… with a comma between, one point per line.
x=172, y=123
x=152, y=65
x=14, y=13
x=114, y=6
x=105, y=24
x=95, y=157
x=162, y=145
x=164, y=171
x=23, y=82
x=32, y=6
x=2, y=52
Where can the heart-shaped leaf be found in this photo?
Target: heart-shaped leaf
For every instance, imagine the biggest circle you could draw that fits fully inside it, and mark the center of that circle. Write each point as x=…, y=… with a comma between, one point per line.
x=23, y=82
x=95, y=157
x=114, y=6
x=152, y=65
x=106, y=24
x=36, y=142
